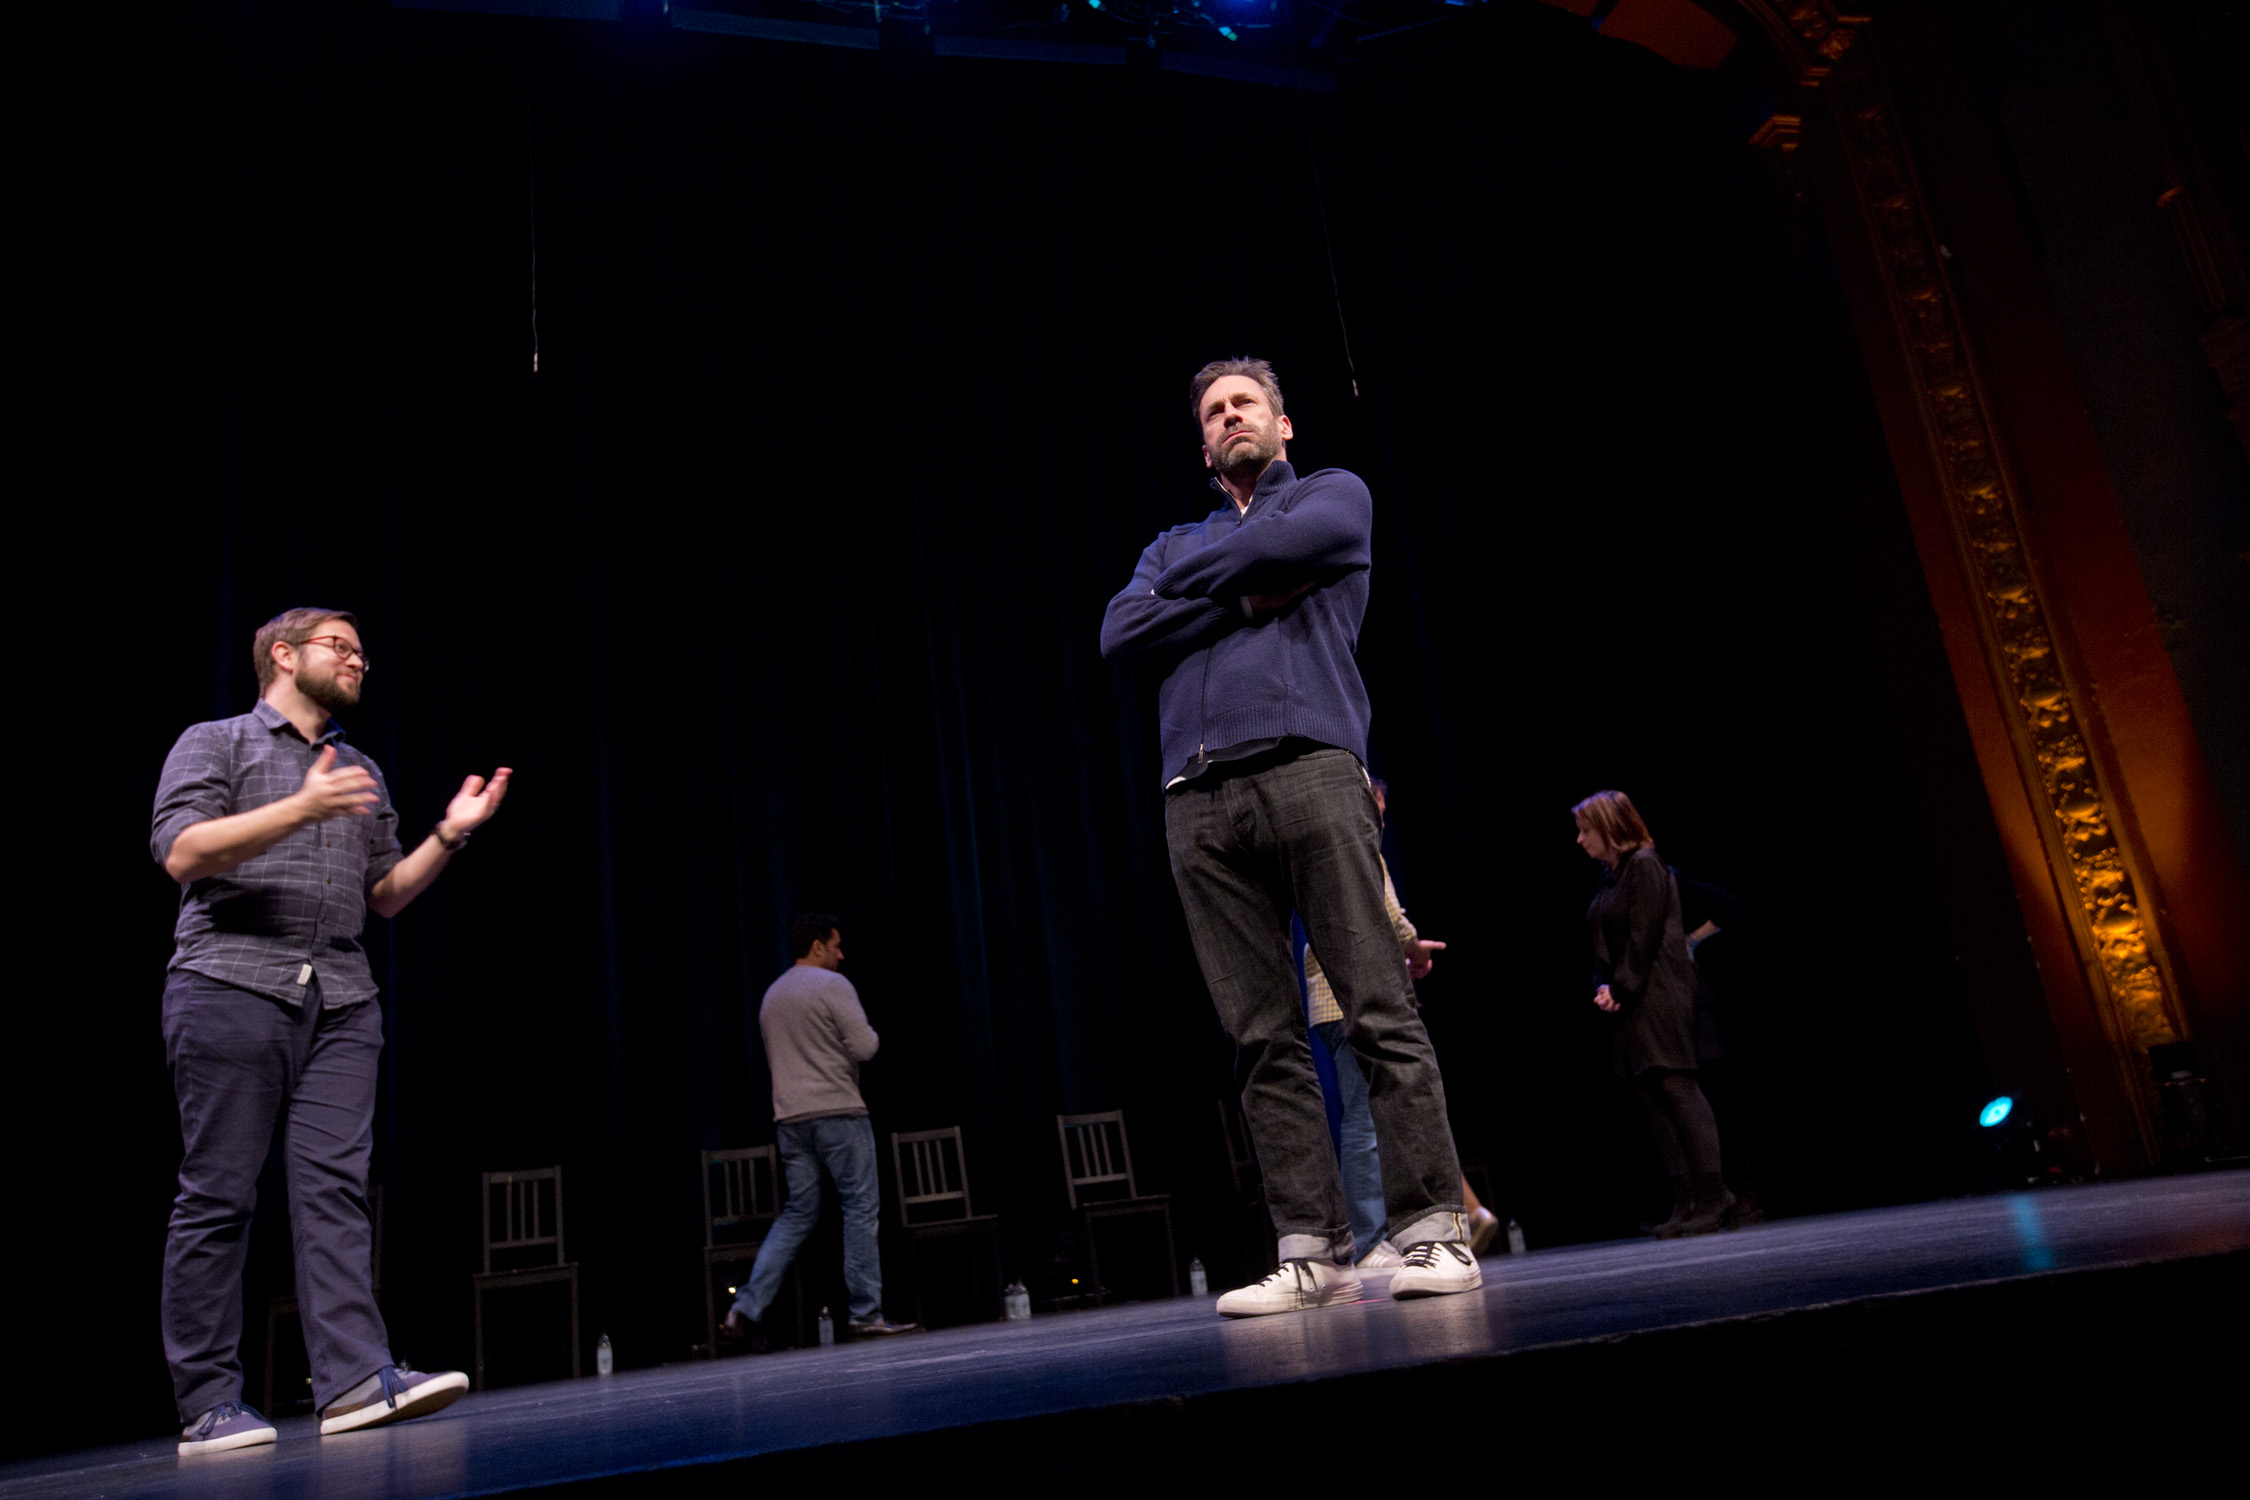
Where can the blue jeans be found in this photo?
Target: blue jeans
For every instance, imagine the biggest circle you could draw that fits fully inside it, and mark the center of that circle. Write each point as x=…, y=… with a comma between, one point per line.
x=842, y=1146
x=1357, y=1157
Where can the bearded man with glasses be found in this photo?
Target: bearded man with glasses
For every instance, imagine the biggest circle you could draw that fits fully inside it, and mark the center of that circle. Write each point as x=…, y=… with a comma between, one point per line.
x=282, y=838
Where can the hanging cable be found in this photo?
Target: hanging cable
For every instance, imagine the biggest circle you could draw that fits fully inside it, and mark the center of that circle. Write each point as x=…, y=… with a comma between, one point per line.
x=531, y=180
x=1328, y=243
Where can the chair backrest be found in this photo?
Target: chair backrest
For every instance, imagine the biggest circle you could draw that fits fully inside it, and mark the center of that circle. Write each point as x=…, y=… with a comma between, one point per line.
x=933, y=1175
x=1242, y=1157
x=1097, y=1160
x=741, y=1193
x=523, y=1218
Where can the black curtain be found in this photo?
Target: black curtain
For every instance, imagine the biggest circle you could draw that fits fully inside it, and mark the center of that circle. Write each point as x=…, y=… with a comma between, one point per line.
x=861, y=382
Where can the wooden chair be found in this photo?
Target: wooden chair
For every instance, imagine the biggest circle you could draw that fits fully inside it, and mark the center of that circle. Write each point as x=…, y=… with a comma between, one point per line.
x=280, y=1310
x=933, y=1202
x=1253, y=1221
x=1098, y=1173
x=528, y=1248
x=741, y=1199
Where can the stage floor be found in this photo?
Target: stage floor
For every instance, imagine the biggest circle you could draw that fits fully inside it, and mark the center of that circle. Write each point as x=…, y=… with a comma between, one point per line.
x=550, y=1435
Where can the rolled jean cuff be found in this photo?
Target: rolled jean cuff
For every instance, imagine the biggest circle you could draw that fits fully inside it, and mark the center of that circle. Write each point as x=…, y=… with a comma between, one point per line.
x=1437, y=1224
x=1336, y=1248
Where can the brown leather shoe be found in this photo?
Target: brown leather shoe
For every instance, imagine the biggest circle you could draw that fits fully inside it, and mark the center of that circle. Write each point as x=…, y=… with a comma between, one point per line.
x=880, y=1327
x=743, y=1331
x=1483, y=1225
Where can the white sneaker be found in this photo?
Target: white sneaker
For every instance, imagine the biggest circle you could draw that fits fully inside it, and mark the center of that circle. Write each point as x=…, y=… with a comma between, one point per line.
x=1298, y=1285
x=1382, y=1259
x=1435, y=1268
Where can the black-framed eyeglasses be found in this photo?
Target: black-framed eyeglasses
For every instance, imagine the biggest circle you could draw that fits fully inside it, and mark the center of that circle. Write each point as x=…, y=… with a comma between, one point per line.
x=343, y=646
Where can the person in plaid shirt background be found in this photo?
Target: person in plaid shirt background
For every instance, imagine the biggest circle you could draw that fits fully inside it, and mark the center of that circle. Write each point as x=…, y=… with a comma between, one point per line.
x=282, y=837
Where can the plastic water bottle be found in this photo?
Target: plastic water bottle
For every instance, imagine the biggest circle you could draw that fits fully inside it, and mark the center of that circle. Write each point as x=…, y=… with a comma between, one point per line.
x=1015, y=1304
x=1199, y=1285
x=1515, y=1238
x=827, y=1329
x=605, y=1359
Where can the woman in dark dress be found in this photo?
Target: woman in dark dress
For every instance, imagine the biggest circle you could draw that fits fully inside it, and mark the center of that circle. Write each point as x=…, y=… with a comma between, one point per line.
x=1645, y=982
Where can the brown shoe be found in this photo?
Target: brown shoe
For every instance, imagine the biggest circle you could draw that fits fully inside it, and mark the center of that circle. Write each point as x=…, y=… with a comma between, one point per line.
x=1483, y=1225
x=743, y=1331
x=879, y=1327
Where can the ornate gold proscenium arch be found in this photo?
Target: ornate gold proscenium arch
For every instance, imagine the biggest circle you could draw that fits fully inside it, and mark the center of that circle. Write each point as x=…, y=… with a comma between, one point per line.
x=2119, y=948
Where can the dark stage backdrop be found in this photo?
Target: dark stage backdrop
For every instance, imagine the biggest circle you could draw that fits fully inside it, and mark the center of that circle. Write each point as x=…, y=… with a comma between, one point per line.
x=862, y=383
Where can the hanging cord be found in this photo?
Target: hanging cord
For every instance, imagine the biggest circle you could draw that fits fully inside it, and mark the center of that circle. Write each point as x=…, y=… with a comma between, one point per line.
x=531, y=178
x=1320, y=197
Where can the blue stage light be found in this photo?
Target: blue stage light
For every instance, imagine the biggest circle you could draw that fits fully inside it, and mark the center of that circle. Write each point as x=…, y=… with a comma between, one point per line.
x=1995, y=1112
x=1093, y=4
x=1229, y=33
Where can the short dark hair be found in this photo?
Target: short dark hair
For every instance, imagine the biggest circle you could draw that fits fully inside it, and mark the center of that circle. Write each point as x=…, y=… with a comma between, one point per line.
x=1219, y=369
x=811, y=928
x=294, y=626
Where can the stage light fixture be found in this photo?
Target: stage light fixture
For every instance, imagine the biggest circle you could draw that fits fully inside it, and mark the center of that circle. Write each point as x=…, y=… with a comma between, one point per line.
x=1996, y=1112
x=1229, y=33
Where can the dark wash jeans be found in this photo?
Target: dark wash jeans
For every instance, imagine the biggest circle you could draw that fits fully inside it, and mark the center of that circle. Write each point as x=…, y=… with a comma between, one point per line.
x=241, y=1064
x=843, y=1146
x=1250, y=843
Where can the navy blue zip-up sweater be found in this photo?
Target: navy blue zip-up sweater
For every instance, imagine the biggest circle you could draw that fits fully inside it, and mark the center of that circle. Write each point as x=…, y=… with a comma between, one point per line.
x=1232, y=679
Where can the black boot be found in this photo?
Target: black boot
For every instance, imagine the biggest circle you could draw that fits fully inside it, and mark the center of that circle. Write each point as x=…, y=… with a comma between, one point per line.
x=1683, y=1204
x=1712, y=1200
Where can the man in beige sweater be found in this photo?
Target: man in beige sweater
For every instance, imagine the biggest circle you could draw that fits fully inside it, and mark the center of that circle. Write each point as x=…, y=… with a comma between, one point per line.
x=816, y=1036
x=1359, y=1163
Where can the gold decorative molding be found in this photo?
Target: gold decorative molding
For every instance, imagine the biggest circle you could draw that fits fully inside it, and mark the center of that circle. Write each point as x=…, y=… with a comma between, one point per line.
x=2126, y=964
x=1811, y=35
x=1780, y=133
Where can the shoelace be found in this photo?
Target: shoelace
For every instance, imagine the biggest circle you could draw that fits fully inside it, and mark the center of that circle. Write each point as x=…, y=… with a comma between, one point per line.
x=1299, y=1267
x=394, y=1384
x=1425, y=1255
x=218, y=1416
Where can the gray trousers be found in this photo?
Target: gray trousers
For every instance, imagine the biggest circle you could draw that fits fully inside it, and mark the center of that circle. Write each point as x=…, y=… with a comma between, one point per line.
x=241, y=1064
x=1249, y=846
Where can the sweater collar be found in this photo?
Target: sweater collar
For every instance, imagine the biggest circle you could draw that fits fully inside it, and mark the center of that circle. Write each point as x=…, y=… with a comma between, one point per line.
x=1277, y=477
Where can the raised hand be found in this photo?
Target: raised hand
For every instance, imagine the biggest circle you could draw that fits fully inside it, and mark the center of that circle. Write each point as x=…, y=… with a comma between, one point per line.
x=333, y=792
x=1418, y=959
x=477, y=801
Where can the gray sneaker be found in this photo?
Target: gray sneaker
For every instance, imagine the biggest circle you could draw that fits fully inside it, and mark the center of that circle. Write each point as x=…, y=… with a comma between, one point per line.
x=230, y=1424
x=392, y=1394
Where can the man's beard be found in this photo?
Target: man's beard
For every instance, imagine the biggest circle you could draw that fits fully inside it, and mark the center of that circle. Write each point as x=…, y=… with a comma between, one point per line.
x=1233, y=457
x=331, y=692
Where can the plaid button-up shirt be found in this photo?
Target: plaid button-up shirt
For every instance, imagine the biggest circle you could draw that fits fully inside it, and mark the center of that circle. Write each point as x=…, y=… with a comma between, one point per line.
x=272, y=923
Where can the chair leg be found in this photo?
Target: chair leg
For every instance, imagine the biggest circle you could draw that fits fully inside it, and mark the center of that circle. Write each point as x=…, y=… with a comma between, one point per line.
x=999, y=1286
x=1094, y=1264
x=1171, y=1255
x=914, y=1279
x=710, y=1311
x=574, y=1365
x=479, y=1299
